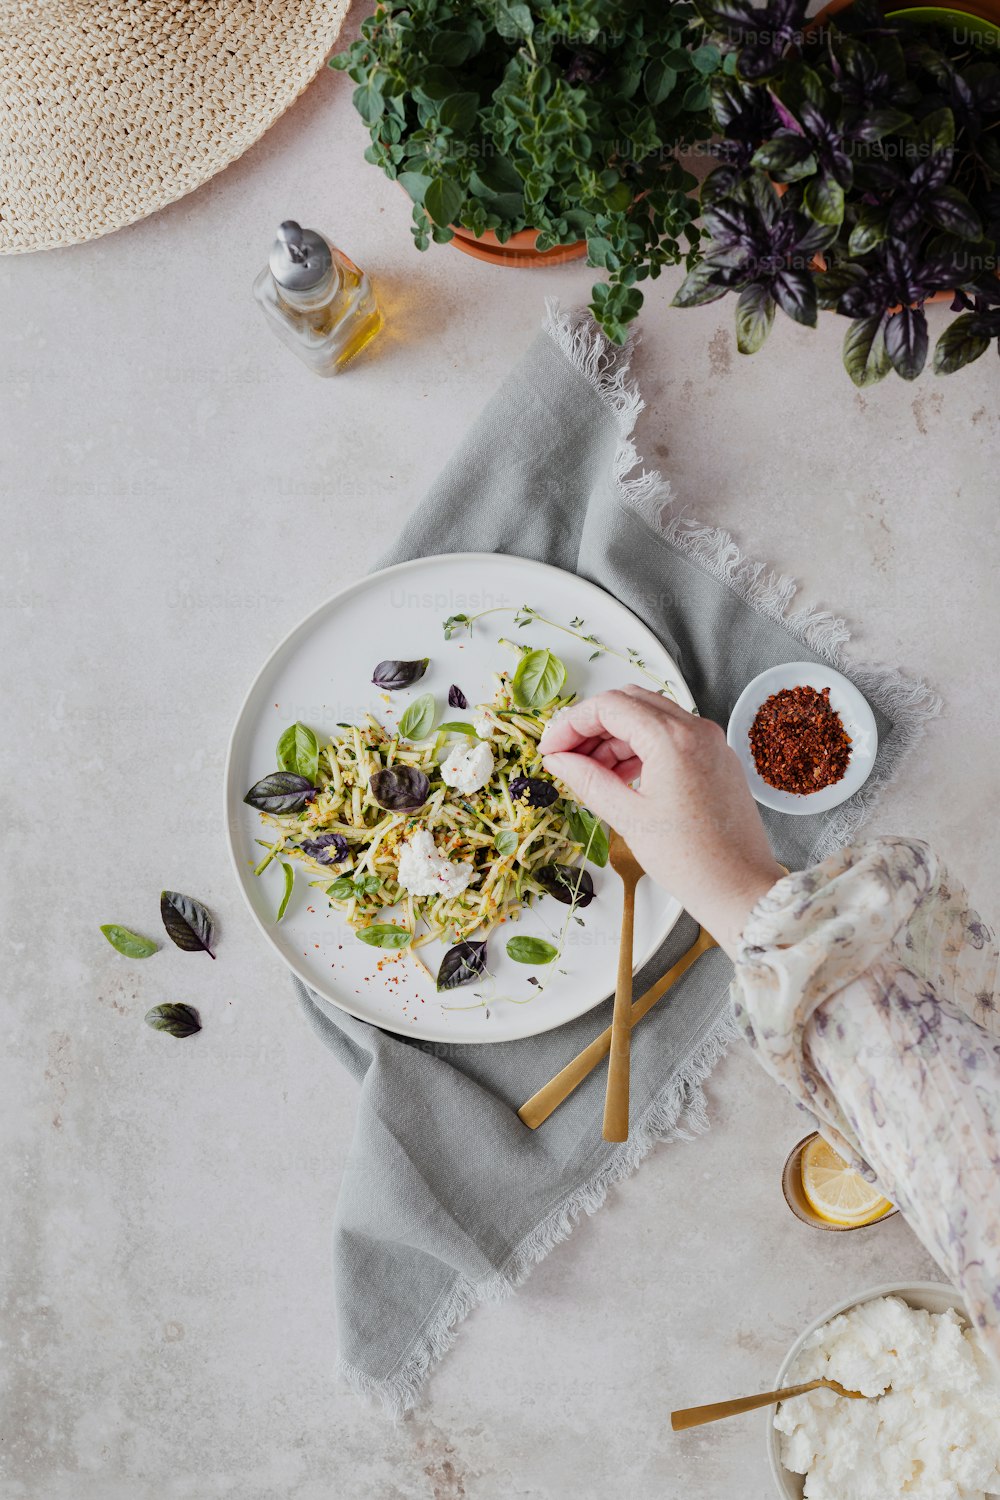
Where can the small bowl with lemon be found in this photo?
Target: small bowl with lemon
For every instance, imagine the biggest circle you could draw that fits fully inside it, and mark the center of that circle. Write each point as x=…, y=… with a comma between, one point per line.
x=823, y=1191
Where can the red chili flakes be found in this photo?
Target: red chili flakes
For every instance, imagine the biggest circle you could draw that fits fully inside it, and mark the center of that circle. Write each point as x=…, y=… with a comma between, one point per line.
x=799, y=742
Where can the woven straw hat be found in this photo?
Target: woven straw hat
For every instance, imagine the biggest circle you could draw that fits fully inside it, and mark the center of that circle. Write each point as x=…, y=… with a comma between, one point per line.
x=110, y=109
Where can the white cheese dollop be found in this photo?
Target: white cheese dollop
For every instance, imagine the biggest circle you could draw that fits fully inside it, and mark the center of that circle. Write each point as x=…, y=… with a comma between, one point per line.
x=937, y=1431
x=483, y=724
x=425, y=872
x=468, y=769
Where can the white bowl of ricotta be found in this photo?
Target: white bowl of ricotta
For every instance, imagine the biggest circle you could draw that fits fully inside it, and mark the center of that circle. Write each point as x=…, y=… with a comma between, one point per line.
x=937, y=1433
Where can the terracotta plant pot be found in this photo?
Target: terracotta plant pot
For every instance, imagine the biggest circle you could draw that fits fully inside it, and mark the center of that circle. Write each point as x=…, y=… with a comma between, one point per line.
x=519, y=250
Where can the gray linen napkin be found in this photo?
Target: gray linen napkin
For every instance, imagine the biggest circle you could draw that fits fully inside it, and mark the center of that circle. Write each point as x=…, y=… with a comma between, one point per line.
x=447, y=1199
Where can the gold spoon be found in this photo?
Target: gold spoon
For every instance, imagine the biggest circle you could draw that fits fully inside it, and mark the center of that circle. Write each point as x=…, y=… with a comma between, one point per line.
x=630, y=872
x=697, y=1416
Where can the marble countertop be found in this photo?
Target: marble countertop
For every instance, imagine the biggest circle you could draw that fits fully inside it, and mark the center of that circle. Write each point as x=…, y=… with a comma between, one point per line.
x=178, y=491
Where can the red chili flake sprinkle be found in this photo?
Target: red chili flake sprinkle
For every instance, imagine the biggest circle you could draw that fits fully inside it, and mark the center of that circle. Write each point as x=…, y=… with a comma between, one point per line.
x=799, y=743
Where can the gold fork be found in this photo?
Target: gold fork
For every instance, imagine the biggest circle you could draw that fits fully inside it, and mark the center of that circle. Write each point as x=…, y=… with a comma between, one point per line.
x=536, y=1110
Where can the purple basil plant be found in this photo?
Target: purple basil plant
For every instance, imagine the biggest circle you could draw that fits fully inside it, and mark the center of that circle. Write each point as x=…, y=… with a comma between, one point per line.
x=859, y=170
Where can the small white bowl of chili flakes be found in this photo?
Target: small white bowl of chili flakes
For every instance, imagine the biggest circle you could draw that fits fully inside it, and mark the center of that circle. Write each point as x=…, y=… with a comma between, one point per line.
x=805, y=735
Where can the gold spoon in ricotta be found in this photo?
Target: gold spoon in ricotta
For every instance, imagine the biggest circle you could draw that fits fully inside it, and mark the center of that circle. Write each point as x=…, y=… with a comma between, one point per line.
x=697, y=1416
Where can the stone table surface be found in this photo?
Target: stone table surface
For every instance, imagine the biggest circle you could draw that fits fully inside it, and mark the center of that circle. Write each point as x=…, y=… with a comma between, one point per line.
x=178, y=491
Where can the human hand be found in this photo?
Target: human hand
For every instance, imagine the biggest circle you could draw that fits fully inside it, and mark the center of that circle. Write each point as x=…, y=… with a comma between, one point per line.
x=691, y=823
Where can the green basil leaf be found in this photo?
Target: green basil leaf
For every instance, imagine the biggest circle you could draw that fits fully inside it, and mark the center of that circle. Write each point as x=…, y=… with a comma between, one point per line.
x=530, y=950
x=298, y=751
x=368, y=885
x=506, y=841
x=538, y=679
x=418, y=718
x=658, y=81
x=342, y=888
x=823, y=200
x=384, y=935
x=289, y=875
x=456, y=726
x=959, y=345
x=589, y=831
x=187, y=922
x=131, y=944
x=175, y=1020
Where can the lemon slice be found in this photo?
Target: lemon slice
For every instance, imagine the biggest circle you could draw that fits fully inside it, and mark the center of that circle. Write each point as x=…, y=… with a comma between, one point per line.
x=836, y=1192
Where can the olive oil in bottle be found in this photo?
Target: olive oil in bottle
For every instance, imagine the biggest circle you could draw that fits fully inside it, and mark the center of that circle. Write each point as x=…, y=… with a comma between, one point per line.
x=316, y=299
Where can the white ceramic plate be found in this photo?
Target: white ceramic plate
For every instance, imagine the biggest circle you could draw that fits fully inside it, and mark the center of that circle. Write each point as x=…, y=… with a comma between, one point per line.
x=321, y=675
x=857, y=718
x=932, y=1296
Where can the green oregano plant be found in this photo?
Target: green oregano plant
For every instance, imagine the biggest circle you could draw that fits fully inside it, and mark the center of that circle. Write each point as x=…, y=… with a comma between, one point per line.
x=563, y=118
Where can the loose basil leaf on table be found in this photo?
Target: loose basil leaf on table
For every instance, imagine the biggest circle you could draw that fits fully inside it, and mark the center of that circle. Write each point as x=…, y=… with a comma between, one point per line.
x=590, y=832
x=298, y=751
x=570, y=884
x=530, y=950
x=129, y=943
x=418, y=718
x=394, y=675
x=534, y=791
x=326, y=848
x=456, y=698
x=289, y=875
x=175, y=1020
x=281, y=792
x=506, y=841
x=400, y=788
x=384, y=935
x=187, y=922
x=538, y=679
x=461, y=965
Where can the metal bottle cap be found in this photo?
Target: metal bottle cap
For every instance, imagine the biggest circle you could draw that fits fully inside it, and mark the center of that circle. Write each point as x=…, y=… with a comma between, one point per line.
x=300, y=258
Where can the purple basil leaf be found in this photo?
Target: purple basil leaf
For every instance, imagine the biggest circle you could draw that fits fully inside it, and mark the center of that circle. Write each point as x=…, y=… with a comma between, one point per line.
x=952, y=211
x=456, y=698
x=570, y=884
x=906, y=341
x=327, y=849
x=187, y=922
x=400, y=788
x=281, y=792
x=796, y=296
x=534, y=791
x=461, y=965
x=393, y=675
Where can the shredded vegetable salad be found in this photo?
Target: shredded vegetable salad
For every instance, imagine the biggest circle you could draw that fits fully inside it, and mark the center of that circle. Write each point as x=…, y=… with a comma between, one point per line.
x=348, y=811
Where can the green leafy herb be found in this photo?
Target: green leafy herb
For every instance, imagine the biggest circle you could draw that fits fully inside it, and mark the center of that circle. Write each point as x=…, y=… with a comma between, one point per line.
x=454, y=624
x=298, y=751
x=418, y=717
x=531, y=950
x=384, y=935
x=131, y=944
x=456, y=726
x=187, y=922
x=564, y=119
x=342, y=888
x=175, y=1020
x=589, y=831
x=289, y=875
x=362, y=885
x=538, y=679
x=506, y=841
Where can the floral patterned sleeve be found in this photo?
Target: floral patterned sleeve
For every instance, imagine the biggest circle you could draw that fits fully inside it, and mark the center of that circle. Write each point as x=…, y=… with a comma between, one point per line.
x=869, y=988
